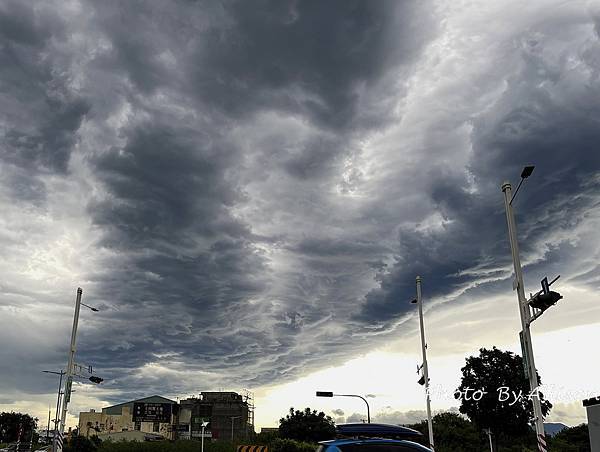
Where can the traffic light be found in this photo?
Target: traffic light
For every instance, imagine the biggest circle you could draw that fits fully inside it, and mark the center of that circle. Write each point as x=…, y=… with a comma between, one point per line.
x=546, y=298
x=96, y=380
x=324, y=394
x=543, y=300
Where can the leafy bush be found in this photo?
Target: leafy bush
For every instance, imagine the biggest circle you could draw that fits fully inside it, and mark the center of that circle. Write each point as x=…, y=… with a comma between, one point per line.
x=290, y=445
x=572, y=439
x=307, y=425
x=82, y=444
x=166, y=446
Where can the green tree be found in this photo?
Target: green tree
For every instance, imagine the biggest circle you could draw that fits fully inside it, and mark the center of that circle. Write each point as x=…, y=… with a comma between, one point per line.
x=266, y=438
x=494, y=393
x=290, y=445
x=573, y=439
x=82, y=444
x=307, y=425
x=10, y=424
x=452, y=433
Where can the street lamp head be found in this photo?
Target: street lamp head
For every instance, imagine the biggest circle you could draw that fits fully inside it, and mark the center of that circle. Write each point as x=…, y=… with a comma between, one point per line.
x=90, y=307
x=527, y=171
x=324, y=394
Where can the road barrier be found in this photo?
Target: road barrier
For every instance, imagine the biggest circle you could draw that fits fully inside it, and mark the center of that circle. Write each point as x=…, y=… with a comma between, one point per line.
x=252, y=449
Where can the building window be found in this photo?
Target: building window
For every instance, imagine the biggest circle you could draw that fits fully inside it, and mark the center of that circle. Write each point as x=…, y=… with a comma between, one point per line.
x=156, y=427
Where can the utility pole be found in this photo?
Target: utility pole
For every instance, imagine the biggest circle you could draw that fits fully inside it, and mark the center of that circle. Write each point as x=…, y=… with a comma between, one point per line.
x=525, y=318
x=56, y=420
x=48, y=427
x=69, y=373
x=331, y=394
x=425, y=368
x=488, y=431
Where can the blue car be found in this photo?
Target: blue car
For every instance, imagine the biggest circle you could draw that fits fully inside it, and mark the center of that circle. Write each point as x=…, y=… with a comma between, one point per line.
x=373, y=438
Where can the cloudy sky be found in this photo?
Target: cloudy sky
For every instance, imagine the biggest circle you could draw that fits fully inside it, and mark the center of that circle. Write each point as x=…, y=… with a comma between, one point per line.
x=247, y=190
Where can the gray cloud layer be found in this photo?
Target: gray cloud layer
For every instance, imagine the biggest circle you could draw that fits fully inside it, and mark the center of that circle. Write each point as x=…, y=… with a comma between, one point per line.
x=260, y=184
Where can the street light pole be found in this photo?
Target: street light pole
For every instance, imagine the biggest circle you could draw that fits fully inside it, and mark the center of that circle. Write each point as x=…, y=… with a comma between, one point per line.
x=69, y=372
x=425, y=368
x=61, y=373
x=204, y=424
x=331, y=394
x=525, y=317
x=48, y=427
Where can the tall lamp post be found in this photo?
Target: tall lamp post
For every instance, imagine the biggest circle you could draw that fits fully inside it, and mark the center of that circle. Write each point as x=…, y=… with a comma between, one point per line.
x=524, y=310
x=204, y=424
x=61, y=373
x=419, y=302
x=70, y=369
x=331, y=394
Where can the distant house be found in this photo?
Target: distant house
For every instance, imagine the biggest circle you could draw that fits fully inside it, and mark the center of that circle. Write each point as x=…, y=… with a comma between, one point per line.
x=225, y=415
x=153, y=414
x=228, y=414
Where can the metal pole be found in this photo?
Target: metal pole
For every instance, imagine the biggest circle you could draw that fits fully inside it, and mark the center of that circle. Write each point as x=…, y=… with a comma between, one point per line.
x=425, y=368
x=489, y=434
x=202, y=439
x=57, y=411
x=360, y=397
x=69, y=373
x=48, y=427
x=19, y=437
x=525, y=318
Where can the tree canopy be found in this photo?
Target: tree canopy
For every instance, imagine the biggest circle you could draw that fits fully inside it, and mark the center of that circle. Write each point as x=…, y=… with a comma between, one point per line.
x=10, y=424
x=452, y=432
x=307, y=425
x=494, y=393
x=572, y=439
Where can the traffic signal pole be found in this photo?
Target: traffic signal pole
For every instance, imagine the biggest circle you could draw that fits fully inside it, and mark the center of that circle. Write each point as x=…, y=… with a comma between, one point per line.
x=425, y=368
x=525, y=319
x=69, y=374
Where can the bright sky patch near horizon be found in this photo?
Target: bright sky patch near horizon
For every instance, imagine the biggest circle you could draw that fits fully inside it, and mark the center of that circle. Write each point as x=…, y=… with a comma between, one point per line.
x=247, y=191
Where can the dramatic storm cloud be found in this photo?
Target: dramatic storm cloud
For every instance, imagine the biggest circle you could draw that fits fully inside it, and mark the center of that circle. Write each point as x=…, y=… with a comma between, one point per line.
x=247, y=190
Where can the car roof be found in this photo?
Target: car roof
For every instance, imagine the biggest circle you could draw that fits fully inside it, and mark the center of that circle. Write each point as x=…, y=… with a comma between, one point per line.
x=346, y=441
x=379, y=430
x=341, y=442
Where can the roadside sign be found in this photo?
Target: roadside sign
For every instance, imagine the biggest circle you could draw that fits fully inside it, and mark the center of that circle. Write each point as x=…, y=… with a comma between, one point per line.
x=151, y=412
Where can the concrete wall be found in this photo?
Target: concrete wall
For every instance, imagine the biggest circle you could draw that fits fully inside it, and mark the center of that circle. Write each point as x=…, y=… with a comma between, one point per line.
x=593, y=415
x=92, y=423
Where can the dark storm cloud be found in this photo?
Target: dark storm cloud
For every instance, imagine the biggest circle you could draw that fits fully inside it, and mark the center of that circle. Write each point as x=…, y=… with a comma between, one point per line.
x=306, y=57
x=244, y=229
x=41, y=113
x=169, y=188
x=167, y=207
x=161, y=183
x=533, y=122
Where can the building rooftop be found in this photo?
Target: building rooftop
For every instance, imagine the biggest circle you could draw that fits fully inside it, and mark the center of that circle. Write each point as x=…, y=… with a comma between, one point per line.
x=117, y=409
